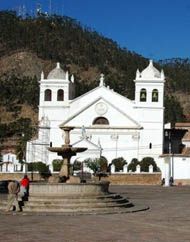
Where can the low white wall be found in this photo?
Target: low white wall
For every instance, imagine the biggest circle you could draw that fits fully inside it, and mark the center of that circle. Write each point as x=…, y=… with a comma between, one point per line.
x=181, y=167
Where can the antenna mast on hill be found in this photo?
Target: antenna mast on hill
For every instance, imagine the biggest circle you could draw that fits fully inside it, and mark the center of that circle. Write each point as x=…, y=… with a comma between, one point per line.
x=22, y=11
x=38, y=9
x=62, y=9
x=50, y=8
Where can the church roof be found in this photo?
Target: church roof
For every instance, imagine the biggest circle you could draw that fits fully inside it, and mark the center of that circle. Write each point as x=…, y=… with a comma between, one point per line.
x=57, y=73
x=150, y=73
x=150, y=70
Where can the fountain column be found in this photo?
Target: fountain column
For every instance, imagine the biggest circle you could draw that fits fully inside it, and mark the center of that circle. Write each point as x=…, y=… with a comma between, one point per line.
x=65, y=169
x=66, y=151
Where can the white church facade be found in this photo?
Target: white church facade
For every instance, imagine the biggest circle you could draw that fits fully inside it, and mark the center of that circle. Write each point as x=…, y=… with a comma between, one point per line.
x=105, y=122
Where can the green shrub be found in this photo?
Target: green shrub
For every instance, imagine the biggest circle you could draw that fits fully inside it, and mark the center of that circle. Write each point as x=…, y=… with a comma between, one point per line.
x=40, y=167
x=119, y=163
x=93, y=164
x=77, y=165
x=146, y=162
x=97, y=164
x=133, y=164
x=57, y=164
x=103, y=164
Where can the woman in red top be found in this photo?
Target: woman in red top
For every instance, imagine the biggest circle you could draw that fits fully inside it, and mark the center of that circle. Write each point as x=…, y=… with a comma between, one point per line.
x=24, y=187
x=25, y=182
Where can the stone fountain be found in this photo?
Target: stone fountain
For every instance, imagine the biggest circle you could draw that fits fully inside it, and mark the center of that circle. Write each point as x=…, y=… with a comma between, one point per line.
x=66, y=151
x=74, y=198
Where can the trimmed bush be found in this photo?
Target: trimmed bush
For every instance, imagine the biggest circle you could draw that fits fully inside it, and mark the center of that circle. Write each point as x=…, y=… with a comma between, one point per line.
x=97, y=164
x=77, y=165
x=57, y=164
x=146, y=162
x=133, y=164
x=119, y=163
x=42, y=168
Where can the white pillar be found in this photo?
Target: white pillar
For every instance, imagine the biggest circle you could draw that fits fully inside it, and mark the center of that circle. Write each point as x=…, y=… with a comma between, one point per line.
x=112, y=168
x=167, y=171
x=51, y=168
x=150, y=168
x=4, y=167
x=138, y=169
x=25, y=168
x=18, y=167
x=125, y=168
x=11, y=167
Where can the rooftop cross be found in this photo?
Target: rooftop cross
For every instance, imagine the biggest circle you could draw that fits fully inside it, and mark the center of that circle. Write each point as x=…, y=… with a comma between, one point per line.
x=101, y=79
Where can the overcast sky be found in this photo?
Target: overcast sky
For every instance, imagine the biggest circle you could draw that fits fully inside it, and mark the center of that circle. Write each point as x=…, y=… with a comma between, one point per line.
x=156, y=29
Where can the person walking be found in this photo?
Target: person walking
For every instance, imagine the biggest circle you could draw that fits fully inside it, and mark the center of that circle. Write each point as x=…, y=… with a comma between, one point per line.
x=13, y=188
x=24, y=188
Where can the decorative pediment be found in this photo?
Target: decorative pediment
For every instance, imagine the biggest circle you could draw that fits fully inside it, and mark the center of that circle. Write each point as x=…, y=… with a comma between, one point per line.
x=101, y=107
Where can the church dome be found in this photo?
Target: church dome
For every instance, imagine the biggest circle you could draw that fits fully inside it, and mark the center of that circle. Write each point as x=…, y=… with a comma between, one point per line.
x=150, y=72
x=57, y=73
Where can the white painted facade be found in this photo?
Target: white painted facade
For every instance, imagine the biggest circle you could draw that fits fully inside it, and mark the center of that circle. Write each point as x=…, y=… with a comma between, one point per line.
x=130, y=128
x=10, y=163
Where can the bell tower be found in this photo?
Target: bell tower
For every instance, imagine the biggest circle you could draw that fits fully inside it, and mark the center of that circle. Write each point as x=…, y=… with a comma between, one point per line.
x=149, y=87
x=55, y=92
x=149, y=104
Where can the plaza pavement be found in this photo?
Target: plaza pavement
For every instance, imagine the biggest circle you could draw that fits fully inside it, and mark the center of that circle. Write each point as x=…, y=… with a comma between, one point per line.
x=167, y=220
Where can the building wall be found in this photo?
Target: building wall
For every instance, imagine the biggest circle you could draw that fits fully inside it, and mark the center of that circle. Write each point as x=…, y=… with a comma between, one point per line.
x=134, y=126
x=181, y=167
x=134, y=179
x=19, y=175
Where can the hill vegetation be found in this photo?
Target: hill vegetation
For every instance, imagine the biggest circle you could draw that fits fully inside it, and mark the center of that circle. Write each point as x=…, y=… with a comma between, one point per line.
x=34, y=43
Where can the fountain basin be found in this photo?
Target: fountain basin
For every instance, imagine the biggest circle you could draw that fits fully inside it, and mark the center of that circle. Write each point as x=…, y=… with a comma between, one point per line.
x=67, y=189
x=66, y=151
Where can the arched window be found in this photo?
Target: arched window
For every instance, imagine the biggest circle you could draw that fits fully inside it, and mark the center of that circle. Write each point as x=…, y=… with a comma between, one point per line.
x=60, y=95
x=155, y=95
x=143, y=95
x=47, y=96
x=101, y=121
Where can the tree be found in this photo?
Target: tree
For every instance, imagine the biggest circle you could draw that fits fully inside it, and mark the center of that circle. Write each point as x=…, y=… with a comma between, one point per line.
x=119, y=163
x=174, y=111
x=57, y=164
x=93, y=164
x=132, y=165
x=20, y=150
x=146, y=162
x=103, y=164
x=97, y=164
x=77, y=165
x=42, y=168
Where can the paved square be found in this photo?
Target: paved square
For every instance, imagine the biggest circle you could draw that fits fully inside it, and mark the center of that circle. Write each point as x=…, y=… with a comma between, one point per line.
x=167, y=220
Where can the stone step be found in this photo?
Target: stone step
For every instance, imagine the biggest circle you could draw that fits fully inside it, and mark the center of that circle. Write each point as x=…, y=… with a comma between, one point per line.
x=66, y=210
x=62, y=196
x=63, y=204
x=60, y=199
x=77, y=199
x=72, y=209
x=72, y=204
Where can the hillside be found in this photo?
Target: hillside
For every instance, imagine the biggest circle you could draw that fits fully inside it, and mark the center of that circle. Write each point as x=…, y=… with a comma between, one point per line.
x=30, y=45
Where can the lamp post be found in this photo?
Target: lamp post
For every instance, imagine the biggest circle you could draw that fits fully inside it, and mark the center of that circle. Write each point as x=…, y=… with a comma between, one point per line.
x=168, y=134
x=115, y=137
